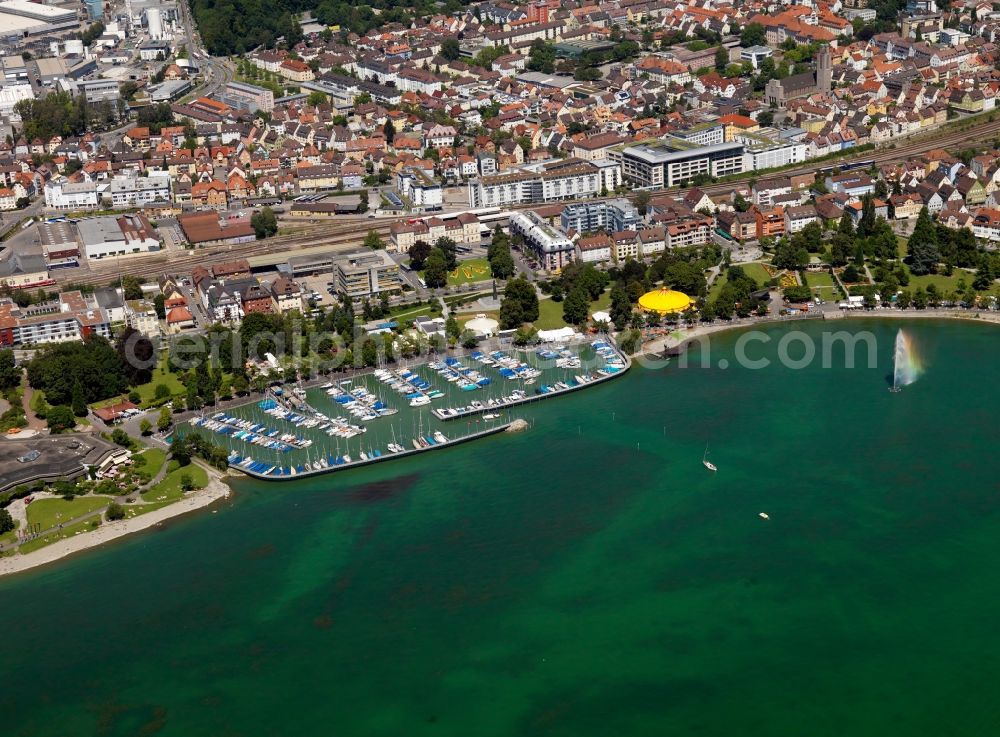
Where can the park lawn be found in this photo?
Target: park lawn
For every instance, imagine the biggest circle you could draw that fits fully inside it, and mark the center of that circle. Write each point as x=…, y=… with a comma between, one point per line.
x=170, y=488
x=944, y=284
x=717, y=286
x=134, y=510
x=550, y=313
x=51, y=512
x=37, y=400
x=757, y=272
x=902, y=247
x=9, y=537
x=409, y=312
x=147, y=392
x=154, y=458
x=467, y=272
x=56, y=535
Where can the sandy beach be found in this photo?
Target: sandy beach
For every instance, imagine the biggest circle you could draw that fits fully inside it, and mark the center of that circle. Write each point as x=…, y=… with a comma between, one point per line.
x=216, y=490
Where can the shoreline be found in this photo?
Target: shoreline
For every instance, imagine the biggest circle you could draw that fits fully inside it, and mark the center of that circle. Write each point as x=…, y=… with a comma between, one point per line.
x=667, y=342
x=216, y=490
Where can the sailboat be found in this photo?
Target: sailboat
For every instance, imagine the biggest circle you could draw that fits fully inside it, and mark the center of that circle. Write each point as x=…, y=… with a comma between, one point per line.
x=707, y=463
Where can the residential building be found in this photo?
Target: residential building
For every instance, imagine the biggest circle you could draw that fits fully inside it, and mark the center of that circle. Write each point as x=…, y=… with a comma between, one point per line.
x=550, y=245
x=62, y=194
x=546, y=182
x=798, y=217
x=141, y=315
x=609, y=215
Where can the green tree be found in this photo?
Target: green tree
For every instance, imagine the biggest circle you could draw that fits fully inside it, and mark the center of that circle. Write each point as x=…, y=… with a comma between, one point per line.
x=450, y=49
x=449, y=248
x=60, y=419
x=576, y=306
x=418, y=253
x=542, y=57
x=519, y=303
x=6, y=522
x=369, y=352
x=373, y=240
x=316, y=98
x=436, y=269
x=264, y=223
x=390, y=132
x=721, y=58
x=501, y=261
x=621, y=306
x=10, y=373
x=923, y=246
x=78, y=403
x=131, y=287
x=753, y=34
x=115, y=512
x=642, y=198
x=164, y=421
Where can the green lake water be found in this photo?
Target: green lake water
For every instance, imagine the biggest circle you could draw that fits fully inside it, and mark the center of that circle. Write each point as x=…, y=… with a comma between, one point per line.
x=586, y=577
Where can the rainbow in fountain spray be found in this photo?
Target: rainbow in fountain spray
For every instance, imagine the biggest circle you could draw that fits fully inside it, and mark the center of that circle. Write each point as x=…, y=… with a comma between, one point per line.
x=906, y=367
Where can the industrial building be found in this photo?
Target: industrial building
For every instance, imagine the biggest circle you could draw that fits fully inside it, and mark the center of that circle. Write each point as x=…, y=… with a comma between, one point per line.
x=20, y=19
x=117, y=236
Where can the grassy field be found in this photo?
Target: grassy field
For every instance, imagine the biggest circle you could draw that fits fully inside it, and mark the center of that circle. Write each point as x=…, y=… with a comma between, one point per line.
x=154, y=458
x=716, y=287
x=468, y=272
x=473, y=270
x=51, y=512
x=410, y=313
x=944, y=284
x=169, y=490
x=550, y=314
x=902, y=249
x=160, y=376
x=757, y=272
x=9, y=537
x=56, y=535
x=822, y=285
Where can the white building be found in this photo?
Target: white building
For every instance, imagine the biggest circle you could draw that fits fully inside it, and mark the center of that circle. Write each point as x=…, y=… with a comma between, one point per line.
x=117, y=236
x=551, y=246
x=796, y=218
x=61, y=194
x=659, y=164
x=766, y=155
x=419, y=189
x=546, y=182
x=135, y=191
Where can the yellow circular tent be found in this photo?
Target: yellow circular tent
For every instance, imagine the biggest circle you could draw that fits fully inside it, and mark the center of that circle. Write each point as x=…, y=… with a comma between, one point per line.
x=665, y=301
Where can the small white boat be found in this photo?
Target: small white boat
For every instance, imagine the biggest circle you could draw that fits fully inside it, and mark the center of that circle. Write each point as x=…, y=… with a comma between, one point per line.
x=707, y=463
x=763, y=515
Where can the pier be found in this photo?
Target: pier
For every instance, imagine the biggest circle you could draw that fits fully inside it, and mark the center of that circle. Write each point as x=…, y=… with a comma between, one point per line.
x=340, y=425
x=357, y=463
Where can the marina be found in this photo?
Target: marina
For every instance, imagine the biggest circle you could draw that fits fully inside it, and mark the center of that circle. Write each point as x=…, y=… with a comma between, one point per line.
x=398, y=410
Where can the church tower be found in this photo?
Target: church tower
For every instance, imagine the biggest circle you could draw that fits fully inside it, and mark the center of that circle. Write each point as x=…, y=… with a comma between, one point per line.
x=824, y=70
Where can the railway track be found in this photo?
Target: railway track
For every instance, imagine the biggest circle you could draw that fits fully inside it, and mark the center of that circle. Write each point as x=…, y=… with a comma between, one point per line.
x=178, y=263
x=343, y=233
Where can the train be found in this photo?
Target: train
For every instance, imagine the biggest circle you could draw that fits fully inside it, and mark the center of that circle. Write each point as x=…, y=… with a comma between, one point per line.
x=846, y=166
